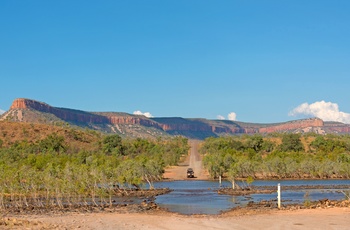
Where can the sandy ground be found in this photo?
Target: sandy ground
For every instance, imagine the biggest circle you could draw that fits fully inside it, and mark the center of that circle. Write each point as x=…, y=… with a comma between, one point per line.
x=333, y=218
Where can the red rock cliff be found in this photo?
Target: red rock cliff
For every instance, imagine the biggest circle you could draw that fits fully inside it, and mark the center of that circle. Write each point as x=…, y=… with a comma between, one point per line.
x=313, y=122
x=131, y=120
x=64, y=114
x=78, y=116
x=180, y=125
x=22, y=103
x=235, y=130
x=337, y=127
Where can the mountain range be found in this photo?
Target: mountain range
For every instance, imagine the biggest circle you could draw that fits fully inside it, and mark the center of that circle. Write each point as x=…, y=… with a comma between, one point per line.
x=129, y=125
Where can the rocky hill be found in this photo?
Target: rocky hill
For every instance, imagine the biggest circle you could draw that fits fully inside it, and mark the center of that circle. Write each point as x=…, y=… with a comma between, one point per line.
x=13, y=132
x=31, y=111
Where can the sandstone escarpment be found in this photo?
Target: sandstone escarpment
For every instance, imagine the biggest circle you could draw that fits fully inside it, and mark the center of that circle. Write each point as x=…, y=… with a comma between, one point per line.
x=298, y=124
x=187, y=127
x=234, y=130
x=336, y=127
x=211, y=128
x=132, y=120
x=76, y=116
x=27, y=110
x=182, y=124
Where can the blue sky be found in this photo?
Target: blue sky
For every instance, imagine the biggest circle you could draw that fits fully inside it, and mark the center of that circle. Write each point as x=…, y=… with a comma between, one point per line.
x=260, y=61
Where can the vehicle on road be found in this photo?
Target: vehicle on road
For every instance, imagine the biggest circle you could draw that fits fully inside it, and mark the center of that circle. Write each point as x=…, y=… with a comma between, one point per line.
x=190, y=173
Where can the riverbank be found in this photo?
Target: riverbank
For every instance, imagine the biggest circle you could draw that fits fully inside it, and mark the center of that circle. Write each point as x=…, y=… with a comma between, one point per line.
x=319, y=218
x=272, y=189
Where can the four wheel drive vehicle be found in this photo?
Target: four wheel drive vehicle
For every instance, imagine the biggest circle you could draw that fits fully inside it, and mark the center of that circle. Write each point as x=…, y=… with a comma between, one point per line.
x=190, y=173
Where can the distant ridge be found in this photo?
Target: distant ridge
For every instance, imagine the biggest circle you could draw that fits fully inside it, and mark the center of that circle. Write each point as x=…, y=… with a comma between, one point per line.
x=32, y=111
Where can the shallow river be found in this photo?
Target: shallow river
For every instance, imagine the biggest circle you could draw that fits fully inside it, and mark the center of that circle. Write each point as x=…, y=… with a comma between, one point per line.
x=201, y=197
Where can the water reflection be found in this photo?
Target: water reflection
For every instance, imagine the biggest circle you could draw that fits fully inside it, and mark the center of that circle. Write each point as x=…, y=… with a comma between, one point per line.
x=194, y=197
x=201, y=197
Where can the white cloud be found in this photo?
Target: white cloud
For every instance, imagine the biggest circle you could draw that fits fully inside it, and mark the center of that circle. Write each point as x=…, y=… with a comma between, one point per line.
x=146, y=114
x=220, y=117
x=327, y=111
x=232, y=116
x=2, y=111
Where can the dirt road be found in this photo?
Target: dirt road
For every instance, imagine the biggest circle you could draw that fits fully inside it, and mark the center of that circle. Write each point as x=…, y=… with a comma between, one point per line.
x=193, y=160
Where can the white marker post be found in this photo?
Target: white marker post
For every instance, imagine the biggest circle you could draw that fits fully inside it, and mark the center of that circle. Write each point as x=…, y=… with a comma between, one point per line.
x=279, y=195
x=220, y=180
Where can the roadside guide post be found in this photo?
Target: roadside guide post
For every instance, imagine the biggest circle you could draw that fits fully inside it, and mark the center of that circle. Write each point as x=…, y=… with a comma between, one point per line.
x=279, y=195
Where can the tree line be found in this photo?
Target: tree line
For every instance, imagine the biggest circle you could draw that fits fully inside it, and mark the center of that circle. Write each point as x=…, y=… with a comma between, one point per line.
x=279, y=156
x=50, y=173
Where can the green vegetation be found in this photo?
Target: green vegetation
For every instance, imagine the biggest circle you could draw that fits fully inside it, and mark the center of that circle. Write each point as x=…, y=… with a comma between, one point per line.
x=278, y=156
x=51, y=172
